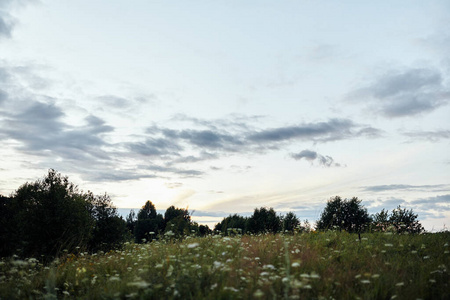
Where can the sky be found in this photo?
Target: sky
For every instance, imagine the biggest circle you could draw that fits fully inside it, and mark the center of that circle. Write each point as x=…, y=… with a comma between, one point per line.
x=225, y=106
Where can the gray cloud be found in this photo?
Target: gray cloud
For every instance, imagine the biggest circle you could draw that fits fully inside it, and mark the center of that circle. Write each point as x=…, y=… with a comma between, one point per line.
x=400, y=93
x=437, y=204
x=406, y=187
x=7, y=21
x=172, y=170
x=6, y=24
x=326, y=161
x=156, y=147
x=332, y=130
x=3, y=96
x=432, y=136
x=41, y=131
x=389, y=204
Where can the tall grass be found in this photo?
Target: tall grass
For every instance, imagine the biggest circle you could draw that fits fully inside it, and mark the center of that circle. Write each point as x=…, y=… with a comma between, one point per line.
x=324, y=265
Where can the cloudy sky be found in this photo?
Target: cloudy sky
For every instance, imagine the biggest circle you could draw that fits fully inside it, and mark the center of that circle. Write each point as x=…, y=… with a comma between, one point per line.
x=224, y=106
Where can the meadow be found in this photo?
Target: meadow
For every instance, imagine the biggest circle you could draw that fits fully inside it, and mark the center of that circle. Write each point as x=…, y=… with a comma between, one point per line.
x=315, y=265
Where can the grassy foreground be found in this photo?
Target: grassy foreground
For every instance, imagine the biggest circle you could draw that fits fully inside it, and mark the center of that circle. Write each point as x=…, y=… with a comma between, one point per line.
x=330, y=265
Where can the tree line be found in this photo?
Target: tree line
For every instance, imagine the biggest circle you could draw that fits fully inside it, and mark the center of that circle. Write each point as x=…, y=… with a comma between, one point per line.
x=339, y=214
x=51, y=216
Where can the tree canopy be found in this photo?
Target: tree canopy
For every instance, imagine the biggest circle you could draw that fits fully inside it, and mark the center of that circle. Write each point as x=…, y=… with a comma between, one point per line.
x=344, y=214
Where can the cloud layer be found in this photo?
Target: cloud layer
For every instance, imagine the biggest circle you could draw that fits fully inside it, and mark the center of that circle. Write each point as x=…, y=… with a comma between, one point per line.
x=38, y=124
x=405, y=92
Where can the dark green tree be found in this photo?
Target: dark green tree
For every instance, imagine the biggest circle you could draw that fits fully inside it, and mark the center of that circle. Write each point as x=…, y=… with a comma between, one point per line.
x=9, y=231
x=109, y=230
x=204, y=230
x=149, y=223
x=131, y=221
x=290, y=222
x=405, y=221
x=232, y=224
x=264, y=220
x=348, y=215
x=380, y=221
x=51, y=215
x=178, y=221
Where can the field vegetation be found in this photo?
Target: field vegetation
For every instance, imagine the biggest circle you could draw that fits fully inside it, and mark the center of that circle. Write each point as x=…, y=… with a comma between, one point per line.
x=314, y=265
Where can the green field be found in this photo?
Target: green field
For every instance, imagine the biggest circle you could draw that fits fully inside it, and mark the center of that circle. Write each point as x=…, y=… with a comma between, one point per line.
x=316, y=265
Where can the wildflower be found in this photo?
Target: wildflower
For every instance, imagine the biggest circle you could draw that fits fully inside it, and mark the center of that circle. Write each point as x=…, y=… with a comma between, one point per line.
x=114, y=278
x=270, y=267
x=258, y=294
x=365, y=281
x=388, y=245
x=295, y=264
x=400, y=284
x=66, y=293
x=297, y=284
x=169, y=271
x=139, y=284
x=375, y=275
x=193, y=245
x=314, y=275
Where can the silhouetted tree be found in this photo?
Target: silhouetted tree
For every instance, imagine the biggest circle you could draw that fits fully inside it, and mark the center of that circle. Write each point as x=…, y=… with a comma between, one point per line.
x=380, y=221
x=290, y=222
x=264, y=220
x=405, y=221
x=232, y=224
x=9, y=231
x=345, y=214
x=178, y=221
x=149, y=224
x=110, y=230
x=51, y=215
x=204, y=230
x=131, y=221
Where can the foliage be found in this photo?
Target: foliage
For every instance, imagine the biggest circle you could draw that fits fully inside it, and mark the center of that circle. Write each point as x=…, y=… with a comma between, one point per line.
x=51, y=215
x=109, y=230
x=232, y=224
x=149, y=224
x=316, y=265
x=380, y=221
x=290, y=222
x=405, y=220
x=178, y=222
x=264, y=220
x=400, y=220
x=345, y=214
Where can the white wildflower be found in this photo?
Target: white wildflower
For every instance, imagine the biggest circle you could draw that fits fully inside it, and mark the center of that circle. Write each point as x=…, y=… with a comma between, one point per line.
x=141, y=284
x=193, y=245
